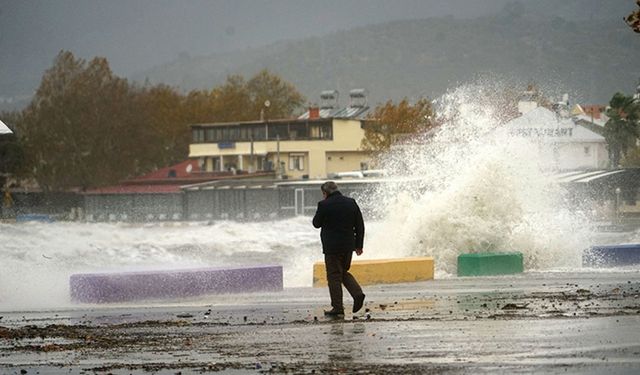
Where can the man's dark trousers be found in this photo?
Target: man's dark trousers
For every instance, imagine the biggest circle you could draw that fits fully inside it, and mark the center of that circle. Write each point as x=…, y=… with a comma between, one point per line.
x=337, y=266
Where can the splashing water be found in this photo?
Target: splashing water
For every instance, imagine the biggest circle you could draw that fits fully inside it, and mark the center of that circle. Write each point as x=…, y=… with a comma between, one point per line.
x=36, y=259
x=478, y=189
x=468, y=188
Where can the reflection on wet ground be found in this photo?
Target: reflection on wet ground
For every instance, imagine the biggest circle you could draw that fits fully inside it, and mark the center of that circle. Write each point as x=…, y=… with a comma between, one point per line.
x=536, y=322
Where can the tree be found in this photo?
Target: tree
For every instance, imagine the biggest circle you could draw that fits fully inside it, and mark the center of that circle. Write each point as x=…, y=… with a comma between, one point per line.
x=622, y=130
x=199, y=107
x=633, y=19
x=240, y=100
x=164, y=126
x=81, y=128
x=231, y=101
x=283, y=97
x=86, y=127
x=389, y=121
x=631, y=158
x=11, y=150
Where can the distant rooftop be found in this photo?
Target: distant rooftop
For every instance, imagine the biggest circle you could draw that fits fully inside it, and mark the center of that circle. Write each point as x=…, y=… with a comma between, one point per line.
x=173, y=178
x=330, y=108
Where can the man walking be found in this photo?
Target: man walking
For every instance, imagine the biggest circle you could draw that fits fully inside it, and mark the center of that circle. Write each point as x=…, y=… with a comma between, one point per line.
x=342, y=233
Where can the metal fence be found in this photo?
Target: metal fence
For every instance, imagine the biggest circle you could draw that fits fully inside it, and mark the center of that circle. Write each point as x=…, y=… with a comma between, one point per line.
x=65, y=206
x=239, y=203
x=269, y=199
x=232, y=204
x=134, y=207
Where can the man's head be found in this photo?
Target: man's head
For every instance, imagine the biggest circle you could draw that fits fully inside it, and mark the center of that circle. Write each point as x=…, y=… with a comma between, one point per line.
x=328, y=188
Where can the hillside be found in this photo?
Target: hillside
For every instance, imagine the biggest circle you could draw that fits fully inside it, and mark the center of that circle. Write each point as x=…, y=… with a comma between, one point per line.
x=589, y=59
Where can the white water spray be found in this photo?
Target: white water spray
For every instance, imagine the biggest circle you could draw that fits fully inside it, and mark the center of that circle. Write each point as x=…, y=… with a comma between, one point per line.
x=478, y=189
x=37, y=259
x=469, y=188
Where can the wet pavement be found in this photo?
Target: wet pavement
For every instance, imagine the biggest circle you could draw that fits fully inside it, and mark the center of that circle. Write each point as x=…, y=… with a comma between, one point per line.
x=552, y=322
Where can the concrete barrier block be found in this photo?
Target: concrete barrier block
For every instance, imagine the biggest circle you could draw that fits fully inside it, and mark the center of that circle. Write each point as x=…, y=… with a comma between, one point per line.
x=611, y=255
x=131, y=286
x=382, y=271
x=485, y=264
x=34, y=217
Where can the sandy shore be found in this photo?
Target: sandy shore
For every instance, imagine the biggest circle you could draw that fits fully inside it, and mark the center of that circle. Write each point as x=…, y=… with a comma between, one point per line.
x=536, y=322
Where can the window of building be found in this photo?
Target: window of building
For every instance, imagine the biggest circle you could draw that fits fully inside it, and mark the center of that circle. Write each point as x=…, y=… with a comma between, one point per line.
x=259, y=132
x=278, y=130
x=325, y=131
x=299, y=131
x=218, y=134
x=320, y=130
x=210, y=135
x=587, y=150
x=296, y=162
x=244, y=133
x=225, y=134
x=234, y=133
x=197, y=135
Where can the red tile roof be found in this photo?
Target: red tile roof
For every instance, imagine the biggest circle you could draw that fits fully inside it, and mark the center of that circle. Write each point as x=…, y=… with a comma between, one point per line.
x=180, y=170
x=164, y=181
x=131, y=189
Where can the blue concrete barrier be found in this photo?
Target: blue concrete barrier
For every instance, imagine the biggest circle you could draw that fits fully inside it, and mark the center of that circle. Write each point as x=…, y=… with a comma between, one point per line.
x=34, y=217
x=131, y=286
x=611, y=255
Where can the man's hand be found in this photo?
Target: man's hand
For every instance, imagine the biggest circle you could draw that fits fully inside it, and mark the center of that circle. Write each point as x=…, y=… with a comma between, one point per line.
x=359, y=251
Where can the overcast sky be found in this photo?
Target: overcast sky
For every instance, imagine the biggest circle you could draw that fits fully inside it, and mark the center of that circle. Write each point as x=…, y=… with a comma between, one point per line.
x=137, y=34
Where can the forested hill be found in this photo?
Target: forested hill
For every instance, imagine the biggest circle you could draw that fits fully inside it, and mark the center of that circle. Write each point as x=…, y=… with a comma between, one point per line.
x=590, y=59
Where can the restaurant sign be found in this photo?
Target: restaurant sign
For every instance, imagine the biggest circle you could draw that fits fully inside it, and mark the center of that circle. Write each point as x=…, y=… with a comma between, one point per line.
x=541, y=132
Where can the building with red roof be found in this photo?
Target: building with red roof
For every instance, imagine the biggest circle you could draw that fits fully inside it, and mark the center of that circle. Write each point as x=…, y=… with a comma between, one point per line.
x=171, y=179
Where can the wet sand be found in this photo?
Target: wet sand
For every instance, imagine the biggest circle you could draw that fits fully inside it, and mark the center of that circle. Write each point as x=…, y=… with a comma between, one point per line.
x=531, y=323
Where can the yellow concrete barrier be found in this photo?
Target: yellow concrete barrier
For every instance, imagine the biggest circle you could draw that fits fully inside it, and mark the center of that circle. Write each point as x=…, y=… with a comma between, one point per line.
x=382, y=271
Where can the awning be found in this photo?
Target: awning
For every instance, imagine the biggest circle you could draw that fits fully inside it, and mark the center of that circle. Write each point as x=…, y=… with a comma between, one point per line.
x=586, y=176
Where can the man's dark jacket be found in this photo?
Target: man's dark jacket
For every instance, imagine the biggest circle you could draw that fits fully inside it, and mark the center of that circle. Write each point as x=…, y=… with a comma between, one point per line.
x=341, y=222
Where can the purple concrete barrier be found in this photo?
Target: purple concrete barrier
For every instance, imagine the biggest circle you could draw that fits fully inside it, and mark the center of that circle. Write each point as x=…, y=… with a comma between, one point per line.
x=130, y=286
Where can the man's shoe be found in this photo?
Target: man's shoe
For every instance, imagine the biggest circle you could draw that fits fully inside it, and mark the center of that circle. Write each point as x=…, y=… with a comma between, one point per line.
x=334, y=312
x=358, y=301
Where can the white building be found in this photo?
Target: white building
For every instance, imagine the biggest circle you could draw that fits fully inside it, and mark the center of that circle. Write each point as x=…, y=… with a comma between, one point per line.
x=574, y=146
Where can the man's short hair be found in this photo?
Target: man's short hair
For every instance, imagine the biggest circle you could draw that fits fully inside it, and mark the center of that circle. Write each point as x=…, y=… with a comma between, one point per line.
x=329, y=187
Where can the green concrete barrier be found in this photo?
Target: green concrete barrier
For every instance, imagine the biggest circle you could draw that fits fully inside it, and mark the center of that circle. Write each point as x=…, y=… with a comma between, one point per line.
x=485, y=264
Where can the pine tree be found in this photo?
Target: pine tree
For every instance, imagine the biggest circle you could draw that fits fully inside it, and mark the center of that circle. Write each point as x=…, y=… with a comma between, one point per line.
x=622, y=129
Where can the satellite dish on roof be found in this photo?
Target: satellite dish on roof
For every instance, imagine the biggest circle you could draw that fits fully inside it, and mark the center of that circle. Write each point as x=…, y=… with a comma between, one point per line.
x=267, y=103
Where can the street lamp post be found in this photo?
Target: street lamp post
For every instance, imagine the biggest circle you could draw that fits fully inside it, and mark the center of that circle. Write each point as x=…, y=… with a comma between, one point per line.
x=618, y=205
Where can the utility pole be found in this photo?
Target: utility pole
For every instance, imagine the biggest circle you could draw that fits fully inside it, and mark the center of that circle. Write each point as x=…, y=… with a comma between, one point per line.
x=252, y=165
x=278, y=170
